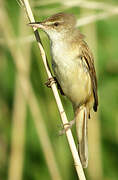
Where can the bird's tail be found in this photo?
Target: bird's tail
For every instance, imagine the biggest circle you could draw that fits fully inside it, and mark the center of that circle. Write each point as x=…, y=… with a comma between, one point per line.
x=81, y=118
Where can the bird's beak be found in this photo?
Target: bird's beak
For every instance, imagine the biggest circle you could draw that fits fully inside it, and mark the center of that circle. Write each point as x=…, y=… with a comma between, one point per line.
x=36, y=24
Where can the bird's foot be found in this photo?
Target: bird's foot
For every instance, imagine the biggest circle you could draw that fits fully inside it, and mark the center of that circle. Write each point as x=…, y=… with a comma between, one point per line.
x=54, y=80
x=50, y=82
x=66, y=127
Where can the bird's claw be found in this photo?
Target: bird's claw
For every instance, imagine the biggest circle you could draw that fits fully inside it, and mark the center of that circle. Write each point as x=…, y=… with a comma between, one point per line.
x=68, y=126
x=50, y=82
x=54, y=80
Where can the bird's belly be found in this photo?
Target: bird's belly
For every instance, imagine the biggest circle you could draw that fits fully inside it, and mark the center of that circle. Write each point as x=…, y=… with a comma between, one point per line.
x=74, y=80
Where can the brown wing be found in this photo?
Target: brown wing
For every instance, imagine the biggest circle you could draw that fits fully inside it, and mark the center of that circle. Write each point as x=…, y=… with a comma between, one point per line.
x=89, y=61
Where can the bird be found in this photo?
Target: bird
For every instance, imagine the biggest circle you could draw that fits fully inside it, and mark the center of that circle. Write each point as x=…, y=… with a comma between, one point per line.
x=73, y=66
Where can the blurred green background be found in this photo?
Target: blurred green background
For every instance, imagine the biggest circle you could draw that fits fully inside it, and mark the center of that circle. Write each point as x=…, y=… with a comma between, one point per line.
x=30, y=147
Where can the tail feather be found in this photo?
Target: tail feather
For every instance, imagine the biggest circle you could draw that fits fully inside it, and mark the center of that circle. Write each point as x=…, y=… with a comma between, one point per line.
x=81, y=128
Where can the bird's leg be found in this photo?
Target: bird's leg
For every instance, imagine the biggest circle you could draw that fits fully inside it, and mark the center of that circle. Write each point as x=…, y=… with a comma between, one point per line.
x=54, y=80
x=66, y=127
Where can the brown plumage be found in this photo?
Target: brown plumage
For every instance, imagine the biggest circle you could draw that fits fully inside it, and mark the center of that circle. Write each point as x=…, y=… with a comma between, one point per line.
x=88, y=57
x=73, y=65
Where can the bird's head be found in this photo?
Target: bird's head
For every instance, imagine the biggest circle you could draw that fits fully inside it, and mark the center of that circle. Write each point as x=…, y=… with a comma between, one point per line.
x=57, y=25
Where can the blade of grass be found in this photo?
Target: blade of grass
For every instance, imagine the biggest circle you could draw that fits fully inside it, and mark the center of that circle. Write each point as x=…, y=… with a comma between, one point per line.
x=18, y=122
x=18, y=133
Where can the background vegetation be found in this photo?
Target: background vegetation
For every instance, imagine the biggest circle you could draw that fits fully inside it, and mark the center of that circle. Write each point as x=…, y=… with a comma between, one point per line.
x=27, y=106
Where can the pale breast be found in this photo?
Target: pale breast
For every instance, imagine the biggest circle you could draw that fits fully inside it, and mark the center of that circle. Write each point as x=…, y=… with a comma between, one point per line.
x=72, y=75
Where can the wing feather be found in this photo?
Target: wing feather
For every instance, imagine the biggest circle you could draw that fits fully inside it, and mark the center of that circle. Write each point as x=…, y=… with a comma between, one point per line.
x=89, y=61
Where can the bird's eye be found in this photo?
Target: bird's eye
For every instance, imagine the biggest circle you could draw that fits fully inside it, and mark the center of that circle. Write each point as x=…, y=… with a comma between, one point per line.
x=56, y=24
